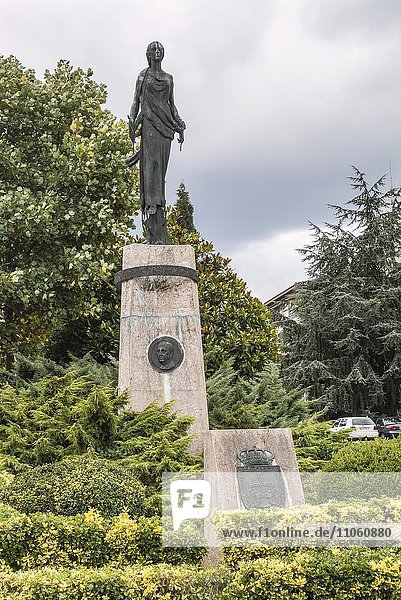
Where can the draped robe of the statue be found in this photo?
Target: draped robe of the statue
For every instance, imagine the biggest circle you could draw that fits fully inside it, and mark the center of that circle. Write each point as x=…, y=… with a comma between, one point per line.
x=158, y=126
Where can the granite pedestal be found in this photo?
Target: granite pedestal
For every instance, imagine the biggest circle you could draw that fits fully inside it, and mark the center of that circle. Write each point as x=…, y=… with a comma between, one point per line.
x=156, y=305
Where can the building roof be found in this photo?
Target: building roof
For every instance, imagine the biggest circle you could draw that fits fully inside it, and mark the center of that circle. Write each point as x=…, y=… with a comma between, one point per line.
x=280, y=297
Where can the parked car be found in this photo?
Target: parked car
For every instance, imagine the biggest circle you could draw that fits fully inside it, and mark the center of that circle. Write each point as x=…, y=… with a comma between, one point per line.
x=360, y=427
x=388, y=427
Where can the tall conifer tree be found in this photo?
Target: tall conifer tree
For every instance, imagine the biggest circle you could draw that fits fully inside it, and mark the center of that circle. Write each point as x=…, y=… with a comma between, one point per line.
x=183, y=211
x=344, y=337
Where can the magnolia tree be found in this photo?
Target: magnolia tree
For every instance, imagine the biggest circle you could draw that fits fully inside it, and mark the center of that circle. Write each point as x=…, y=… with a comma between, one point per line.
x=66, y=200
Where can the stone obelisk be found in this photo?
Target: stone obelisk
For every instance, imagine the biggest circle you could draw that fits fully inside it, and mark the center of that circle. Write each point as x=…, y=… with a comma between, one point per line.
x=161, y=357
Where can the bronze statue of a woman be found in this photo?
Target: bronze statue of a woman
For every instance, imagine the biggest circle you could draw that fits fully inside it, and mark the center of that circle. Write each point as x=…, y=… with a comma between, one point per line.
x=155, y=119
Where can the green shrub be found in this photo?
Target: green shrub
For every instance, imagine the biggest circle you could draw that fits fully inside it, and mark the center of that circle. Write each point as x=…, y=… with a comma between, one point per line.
x=140, y=540
x=262, y=401
x=322, y=574
x=377, y=456
x=28, y=370
x=30, y=541
x=44, y=418
x=315, y=444
x=37, y=540
x=74, y=485
x=153, y=583
x=57, y=416
x=233, y=556
x=307, y=575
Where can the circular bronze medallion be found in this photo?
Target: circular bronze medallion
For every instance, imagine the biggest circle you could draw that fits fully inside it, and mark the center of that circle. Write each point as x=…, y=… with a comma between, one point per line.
x=165, y=354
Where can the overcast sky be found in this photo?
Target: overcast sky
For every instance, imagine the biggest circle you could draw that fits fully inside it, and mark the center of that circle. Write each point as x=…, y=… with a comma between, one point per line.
x=280, y=97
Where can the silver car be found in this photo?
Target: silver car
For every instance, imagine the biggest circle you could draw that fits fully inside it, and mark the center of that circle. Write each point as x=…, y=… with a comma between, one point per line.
x=360, y=427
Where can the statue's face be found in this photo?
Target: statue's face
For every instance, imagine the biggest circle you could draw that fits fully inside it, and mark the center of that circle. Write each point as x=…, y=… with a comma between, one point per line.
x=156, y=51
x=164, y=353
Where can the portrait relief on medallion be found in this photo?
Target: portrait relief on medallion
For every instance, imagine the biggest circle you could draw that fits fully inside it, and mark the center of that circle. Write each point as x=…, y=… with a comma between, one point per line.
x=165, y=354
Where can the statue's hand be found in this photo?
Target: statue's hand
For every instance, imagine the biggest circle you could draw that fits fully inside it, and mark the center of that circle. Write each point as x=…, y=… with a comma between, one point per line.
x=131, y=125
x=181, y=130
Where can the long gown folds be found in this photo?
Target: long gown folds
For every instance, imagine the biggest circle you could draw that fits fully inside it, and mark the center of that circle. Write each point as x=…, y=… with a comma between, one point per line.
x=159, y=121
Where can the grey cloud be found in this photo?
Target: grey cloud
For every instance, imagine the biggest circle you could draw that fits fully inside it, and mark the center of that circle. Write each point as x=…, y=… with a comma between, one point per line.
x=280, y=97
x=340, y=19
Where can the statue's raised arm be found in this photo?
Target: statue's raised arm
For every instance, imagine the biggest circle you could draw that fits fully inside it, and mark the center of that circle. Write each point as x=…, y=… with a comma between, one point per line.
x=154, y=118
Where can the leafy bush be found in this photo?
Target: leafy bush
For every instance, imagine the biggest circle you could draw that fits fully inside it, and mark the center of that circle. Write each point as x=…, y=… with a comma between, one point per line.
x=233, y=556
x=36, y=540
x=56, y=416
x=160, y=582
x=379, y=455
x=46, y=418
x=345, y=574
x=140, y=541
x=28, y=370
x=315, y=444
x=374, y=510
x=305, y=575
x=74, y=485
x=65, y=217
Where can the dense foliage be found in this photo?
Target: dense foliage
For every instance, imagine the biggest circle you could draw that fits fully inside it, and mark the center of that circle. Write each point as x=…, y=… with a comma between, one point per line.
x=379, y=456
x=57, y=416
x=75, y=485
x=66, y=198
x=344, y=336
x=154, y=582
x=238, y=403
x=324, y=574
x=319, y=574
x=89, y=539
x=315, y=445
x=235, y=324
x=45, y=418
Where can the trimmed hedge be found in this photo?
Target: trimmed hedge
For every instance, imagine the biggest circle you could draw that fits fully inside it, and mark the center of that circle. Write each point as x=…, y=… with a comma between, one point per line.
x=38, y=540
x=307, y=575
x=75, y=485
x=376, y=510
x=346, y=574
x=234, y=557
x=154, y=583
x=90, y=540
x=377, y=456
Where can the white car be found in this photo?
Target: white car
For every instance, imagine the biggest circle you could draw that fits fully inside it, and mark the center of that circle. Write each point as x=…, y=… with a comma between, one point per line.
x=360, y=427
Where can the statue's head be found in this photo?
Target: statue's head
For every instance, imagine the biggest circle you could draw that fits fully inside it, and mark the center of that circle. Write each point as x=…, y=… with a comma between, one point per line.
x=155, y=50
x=164, y=351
